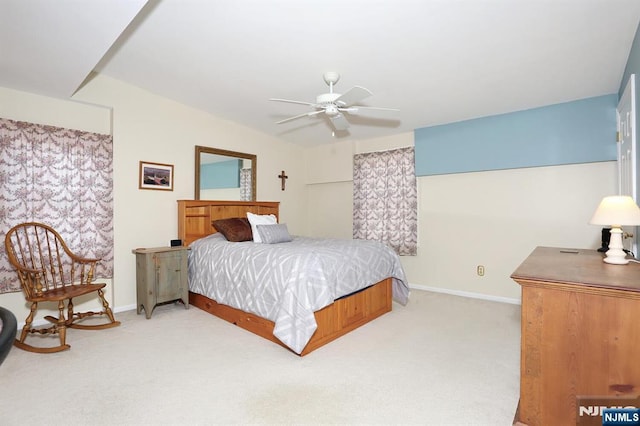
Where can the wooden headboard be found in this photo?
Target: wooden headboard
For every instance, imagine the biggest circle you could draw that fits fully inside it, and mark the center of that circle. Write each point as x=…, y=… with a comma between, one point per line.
x=195, y=216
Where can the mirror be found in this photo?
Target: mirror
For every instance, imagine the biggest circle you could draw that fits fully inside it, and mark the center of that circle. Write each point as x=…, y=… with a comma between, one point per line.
x=224, y=175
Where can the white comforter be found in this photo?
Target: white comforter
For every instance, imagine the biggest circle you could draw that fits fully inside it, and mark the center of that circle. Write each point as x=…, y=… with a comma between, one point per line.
x=287, y=282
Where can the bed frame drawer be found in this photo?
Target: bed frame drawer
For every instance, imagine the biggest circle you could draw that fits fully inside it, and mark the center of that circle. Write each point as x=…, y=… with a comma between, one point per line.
x=359, y=307
x=335, y=320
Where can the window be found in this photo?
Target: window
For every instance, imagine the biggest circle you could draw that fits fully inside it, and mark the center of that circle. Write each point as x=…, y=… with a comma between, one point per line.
x=62, y=178
x=385, y=199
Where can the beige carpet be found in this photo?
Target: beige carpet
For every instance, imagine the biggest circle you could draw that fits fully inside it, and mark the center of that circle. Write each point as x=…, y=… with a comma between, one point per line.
x=440, y=360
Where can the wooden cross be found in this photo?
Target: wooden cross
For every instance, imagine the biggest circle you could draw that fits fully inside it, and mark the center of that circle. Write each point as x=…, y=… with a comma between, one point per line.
x=283, y=178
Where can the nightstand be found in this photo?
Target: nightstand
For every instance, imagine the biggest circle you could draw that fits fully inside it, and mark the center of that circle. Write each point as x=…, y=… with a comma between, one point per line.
x=161, y=275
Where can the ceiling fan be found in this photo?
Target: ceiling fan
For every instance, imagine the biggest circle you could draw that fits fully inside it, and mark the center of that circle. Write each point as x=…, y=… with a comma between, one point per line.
x=334, y=105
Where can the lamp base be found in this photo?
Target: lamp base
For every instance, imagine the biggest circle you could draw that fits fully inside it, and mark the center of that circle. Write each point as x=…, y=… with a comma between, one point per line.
x=616, y=260
x=616, y=255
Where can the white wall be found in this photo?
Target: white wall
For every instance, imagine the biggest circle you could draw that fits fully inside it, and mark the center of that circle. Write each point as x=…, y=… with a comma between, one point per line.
x=151, y=128
x=494, y=219
x=490, y=218
x=22, y=106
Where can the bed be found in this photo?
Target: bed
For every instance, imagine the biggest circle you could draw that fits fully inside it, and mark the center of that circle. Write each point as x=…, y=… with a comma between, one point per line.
x=319, y=320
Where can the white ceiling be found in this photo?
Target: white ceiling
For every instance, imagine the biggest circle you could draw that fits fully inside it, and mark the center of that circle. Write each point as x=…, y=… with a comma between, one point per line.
x=50, y=47
x=438, y=61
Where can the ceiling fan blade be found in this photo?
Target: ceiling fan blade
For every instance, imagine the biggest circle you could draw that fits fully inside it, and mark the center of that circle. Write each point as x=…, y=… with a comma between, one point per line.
x=306, y=114
x=292, y=102
x=339, y=122
x=353, y=96
x=355, y=109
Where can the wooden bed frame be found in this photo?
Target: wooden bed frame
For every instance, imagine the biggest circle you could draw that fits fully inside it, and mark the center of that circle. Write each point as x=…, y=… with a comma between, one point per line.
x=335, y=320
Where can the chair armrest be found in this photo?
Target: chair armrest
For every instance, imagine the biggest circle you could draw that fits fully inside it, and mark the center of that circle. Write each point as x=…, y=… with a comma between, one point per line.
x=24, y=269
x=80, y=259
x=87, y=261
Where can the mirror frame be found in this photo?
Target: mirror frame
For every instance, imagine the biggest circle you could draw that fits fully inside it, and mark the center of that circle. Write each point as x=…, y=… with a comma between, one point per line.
x=207, y=150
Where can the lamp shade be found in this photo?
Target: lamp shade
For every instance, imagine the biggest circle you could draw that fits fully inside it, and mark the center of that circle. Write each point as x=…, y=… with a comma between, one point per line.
x=616, y=210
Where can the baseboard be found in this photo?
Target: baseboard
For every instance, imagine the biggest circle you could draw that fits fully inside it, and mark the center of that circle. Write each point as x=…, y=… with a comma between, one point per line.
x=124, y=308
x=41, y=322
x=466, y=294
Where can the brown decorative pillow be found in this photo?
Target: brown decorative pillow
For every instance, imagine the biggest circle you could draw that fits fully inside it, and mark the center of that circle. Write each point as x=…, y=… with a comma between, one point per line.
x=234, y=229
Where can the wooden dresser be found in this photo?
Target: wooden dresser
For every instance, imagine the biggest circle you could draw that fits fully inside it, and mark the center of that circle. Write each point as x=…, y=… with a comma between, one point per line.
x=580, y=333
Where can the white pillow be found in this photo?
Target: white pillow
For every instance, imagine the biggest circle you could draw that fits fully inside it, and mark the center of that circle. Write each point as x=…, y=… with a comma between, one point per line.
x=260, y=219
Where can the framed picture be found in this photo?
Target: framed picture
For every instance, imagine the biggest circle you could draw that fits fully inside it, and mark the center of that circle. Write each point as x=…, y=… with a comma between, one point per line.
x=156, y=176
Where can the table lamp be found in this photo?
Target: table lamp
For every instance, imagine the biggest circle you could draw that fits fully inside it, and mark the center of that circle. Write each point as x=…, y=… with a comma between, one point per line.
x=616, y=211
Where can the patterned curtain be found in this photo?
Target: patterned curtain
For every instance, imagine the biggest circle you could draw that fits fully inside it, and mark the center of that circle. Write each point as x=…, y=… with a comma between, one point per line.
x=385, y=199
x=62, y=178
x=245, y=185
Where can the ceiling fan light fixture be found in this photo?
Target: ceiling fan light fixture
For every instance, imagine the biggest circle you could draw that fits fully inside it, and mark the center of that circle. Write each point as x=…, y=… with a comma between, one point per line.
x=334, y=105
x=331, y=110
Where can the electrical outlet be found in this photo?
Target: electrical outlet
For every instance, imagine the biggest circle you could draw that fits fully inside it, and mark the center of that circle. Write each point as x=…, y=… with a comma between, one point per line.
x=480, y=270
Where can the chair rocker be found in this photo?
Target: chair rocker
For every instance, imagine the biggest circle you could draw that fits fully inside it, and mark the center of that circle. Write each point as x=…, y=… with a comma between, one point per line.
x=50, y=272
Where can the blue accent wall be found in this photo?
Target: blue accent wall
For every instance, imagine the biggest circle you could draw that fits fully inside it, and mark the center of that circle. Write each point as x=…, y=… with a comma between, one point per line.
x=581, y=131
x=224, y=174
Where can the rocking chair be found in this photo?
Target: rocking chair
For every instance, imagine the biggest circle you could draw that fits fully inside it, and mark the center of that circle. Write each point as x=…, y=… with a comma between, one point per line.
x=50, y=272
